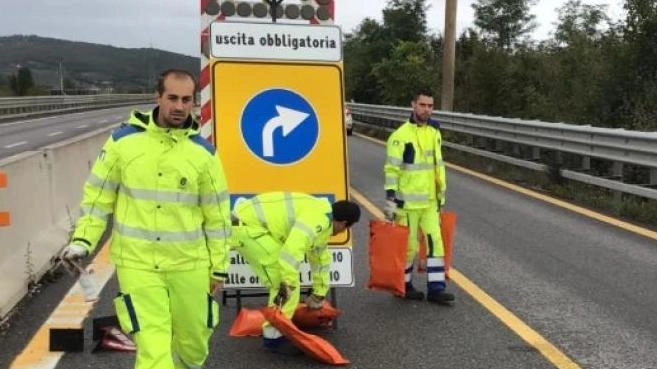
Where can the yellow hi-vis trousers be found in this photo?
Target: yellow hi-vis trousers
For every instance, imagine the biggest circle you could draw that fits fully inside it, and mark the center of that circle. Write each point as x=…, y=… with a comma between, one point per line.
x=170, y=314
x=428, y=220
x=262, y=252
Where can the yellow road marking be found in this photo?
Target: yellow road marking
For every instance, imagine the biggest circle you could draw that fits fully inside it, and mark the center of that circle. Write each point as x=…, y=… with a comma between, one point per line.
x=70, y=313
x=551, y=200
x=533, y=338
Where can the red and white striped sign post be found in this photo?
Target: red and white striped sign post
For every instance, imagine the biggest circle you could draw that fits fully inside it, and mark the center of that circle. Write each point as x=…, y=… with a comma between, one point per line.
x=312, y=11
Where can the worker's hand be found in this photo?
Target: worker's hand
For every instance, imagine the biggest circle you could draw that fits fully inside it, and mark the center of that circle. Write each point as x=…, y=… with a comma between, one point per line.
x=314, y=302
x=284, y=292
x=73, y=252
x=390, y=209
x=216, y=286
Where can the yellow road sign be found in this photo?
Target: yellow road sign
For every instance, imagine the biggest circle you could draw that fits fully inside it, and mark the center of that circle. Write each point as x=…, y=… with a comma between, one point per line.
x=280, y=127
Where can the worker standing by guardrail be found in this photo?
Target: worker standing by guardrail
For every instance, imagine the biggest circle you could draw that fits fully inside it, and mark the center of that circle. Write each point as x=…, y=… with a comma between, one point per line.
x=415, y=185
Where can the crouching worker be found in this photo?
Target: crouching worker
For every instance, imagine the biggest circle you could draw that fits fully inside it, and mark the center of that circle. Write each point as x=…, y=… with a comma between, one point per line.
x=273, y=231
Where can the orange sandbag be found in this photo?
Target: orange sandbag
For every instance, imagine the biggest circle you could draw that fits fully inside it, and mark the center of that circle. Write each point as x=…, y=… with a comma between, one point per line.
x=447, y=230
x=308, y=318
x=387, y=256
x=247, y=323
x=313, y=346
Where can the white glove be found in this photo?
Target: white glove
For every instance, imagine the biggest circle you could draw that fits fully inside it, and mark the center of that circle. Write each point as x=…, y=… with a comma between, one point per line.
x=390, y=209
x=73, y=251
x=314, y=302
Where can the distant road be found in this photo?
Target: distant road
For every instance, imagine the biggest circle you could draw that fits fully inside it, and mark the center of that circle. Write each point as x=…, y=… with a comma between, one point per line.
x=33, y=134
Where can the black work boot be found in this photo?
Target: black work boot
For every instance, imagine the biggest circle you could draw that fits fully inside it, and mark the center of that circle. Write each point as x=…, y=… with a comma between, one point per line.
x=412, y=293
x=440, y=297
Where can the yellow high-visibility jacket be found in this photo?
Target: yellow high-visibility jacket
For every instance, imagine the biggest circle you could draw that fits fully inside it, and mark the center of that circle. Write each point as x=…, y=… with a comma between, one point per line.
x=414, y=169
x=166, y=191
x=303, y=224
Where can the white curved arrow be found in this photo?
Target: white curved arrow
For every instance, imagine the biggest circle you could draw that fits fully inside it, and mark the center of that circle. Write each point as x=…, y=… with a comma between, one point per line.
x=288, y=119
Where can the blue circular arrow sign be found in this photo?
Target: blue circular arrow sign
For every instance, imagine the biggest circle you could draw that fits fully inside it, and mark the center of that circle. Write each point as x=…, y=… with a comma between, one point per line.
x=279, y=126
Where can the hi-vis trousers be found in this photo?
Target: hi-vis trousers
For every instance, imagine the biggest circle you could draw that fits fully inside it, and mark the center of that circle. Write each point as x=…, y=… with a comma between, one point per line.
x=428, y=220
x=262, y=252
x=170, y=314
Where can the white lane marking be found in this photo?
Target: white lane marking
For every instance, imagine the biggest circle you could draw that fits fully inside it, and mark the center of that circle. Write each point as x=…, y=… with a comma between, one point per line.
x=103, y=121
x=15, y=144
x=24, y=121
x=82, y=126
x=55, y=133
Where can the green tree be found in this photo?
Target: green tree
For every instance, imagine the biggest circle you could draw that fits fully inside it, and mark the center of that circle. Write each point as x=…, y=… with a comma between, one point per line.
x=372, y=42
x=362, y=49
x=407, y=68
x=640, y=88
x=503, y=22
x=21, y=82
x=405, y=20
x=577, y=20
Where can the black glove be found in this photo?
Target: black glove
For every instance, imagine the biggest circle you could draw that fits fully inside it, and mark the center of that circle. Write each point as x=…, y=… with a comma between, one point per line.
x=283, y=294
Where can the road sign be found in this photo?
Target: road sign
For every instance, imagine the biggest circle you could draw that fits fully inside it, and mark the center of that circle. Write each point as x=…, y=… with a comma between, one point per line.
x=240, y=274
x=233, y=40
x=280, y=127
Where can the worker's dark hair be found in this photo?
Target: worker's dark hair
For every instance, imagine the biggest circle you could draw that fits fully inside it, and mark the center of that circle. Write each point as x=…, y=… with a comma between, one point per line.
x=348, y=211
x=422, y=91
x=177, y=73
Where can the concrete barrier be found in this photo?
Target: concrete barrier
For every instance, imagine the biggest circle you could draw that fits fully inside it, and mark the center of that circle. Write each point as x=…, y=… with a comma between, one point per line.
x=42, y=195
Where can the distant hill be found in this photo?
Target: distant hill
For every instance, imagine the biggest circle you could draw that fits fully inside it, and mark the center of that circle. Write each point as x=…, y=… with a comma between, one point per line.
x=89, y=65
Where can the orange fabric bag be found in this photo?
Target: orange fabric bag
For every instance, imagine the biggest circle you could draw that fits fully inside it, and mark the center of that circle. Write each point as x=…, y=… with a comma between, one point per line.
x=387, y=256
x=247, y=323
x=447, y=230
x=308, y=318
x=313, y=346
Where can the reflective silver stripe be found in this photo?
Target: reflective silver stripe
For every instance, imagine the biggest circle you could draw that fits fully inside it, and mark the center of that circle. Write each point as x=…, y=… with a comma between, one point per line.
x=419, y=166
x=105, y=184
x=413, y=197
x=94, y=211
x=214, y=198
x=290, y=259
x=305, y=229
x=289, y=208
x=394, y=161
x=217, y=233
x=392, y=181
x=441, y=163
x=436, y=262
x=260, y=212
x=436, y=277
x=177, y=197
x=144, y=234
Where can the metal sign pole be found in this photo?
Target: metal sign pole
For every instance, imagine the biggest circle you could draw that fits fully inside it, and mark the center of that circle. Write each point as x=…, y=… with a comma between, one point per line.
x=273, y=7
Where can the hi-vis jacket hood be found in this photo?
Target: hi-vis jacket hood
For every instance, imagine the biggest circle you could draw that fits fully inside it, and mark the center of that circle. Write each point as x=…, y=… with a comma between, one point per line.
x=301, y=223
x=167, y=193
x=414, y=168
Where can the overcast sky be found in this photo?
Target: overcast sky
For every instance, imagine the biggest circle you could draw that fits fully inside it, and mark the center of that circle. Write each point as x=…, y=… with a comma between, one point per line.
x=174, y=24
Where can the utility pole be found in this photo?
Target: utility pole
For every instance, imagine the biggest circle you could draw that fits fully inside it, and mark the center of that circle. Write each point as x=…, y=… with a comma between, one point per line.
x=449, y=54
x=61, y=79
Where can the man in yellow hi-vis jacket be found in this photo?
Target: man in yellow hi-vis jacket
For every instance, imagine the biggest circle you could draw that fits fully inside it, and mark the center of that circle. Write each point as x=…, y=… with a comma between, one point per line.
x=164, y=186
x=415, y=187
x=274, y=231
